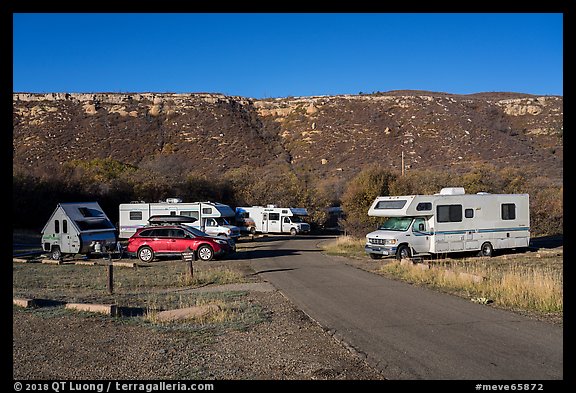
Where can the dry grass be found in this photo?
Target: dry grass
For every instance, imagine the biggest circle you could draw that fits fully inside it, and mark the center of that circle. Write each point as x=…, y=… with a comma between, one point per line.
x=530, y=281
x=348, y=246
x=132, y=287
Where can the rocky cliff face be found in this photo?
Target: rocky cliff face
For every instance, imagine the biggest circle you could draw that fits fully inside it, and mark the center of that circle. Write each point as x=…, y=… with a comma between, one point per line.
x=329, y=136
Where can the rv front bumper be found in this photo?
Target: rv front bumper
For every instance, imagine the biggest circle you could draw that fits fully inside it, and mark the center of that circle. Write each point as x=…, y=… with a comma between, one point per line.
x=380, y=250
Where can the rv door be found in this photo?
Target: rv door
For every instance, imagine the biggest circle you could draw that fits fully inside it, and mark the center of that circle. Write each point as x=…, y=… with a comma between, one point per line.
x=264, y=222
x=421, y=236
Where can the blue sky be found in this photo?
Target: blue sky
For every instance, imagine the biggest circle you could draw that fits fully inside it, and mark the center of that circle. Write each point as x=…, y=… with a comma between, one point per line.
x=282, y=54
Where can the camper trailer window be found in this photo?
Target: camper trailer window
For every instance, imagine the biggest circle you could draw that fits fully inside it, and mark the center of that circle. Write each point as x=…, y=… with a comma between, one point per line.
x=424, y=206
x=56, y=226
x=86, y=212
x=399, y=204
x=274, y=216
x=136, y=216
x=206, y=210
x=64, y=226
x=469, y=213
x=449, y=213
x=508, y=211
x=87, y=225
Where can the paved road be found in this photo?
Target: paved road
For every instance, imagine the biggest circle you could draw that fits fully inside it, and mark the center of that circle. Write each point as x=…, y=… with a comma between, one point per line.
x=409, y=332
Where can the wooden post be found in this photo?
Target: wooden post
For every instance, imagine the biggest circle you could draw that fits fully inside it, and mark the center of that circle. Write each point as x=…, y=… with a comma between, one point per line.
x=188, y=256
x=110, y=278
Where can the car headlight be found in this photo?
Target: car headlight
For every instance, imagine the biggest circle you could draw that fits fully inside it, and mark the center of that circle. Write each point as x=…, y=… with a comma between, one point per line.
x=221, y=241
x=389, y=241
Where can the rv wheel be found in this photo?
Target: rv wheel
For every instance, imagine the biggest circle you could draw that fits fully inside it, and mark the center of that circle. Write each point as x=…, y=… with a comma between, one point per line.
x=293, y=231
x=146, y=254
x=56, y=253
x=486, y=250
x=252, y=230
x=205, y=253
x=403, y=252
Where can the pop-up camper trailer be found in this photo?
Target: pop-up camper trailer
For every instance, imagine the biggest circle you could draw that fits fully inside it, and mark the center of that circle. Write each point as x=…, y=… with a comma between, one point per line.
x=451, y=221
x=78, y=228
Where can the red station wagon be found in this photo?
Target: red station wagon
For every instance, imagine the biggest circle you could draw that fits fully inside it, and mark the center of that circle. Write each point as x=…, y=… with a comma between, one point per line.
x=165, y=240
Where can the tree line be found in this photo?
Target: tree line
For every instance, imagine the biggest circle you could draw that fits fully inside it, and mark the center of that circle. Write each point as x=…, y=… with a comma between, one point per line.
x=110, y=183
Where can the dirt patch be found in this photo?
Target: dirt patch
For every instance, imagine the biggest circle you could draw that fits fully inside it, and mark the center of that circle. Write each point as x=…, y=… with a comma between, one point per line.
x=50, y=344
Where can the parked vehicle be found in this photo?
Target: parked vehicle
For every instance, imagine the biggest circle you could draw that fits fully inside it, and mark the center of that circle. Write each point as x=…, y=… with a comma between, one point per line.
x=273, y=219
x=78, y=228
x=451, y=221
x=159, y=240
x=211, y=217
x=245, y=222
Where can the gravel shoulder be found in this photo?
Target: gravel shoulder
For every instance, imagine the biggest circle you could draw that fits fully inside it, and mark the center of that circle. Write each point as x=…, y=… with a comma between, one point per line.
x=287, y=345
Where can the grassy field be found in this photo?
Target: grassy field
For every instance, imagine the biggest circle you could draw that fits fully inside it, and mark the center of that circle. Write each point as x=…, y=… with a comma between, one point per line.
x=144, y=291
x=523, y=281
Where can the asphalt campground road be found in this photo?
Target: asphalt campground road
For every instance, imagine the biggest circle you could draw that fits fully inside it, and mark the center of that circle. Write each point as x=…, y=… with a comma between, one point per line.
x=406, y=331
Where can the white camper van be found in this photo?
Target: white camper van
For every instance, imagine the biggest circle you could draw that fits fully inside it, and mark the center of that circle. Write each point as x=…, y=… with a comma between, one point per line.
x=78, y=228
x=451, y=221
x=211, y=217
x=273, y=219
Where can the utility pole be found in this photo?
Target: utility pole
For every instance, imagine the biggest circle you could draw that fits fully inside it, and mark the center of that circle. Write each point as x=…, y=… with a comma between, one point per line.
x=402, y=162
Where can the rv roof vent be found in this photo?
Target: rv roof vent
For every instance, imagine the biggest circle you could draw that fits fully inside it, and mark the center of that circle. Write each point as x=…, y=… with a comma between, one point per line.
x=452, y=191
x=173, y=200
x=271, y=205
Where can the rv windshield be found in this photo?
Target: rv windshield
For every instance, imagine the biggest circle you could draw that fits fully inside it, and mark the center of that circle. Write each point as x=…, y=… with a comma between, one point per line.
x=396, y=224
x=296, y=219
x=221, y=221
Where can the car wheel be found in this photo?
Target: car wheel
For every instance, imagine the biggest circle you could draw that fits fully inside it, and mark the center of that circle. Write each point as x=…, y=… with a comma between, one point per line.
x=403, y=252
x=486, y=250
x=56, y=254
x=293, y=231
x=205, y=252
x=252, y=230
x=375, y=256
x=145, y=254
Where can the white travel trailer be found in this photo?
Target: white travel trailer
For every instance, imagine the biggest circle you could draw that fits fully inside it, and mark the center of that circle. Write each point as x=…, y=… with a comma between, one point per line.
x=451, y=221
x=78, y=228
x=211, y=217
x=273, y=219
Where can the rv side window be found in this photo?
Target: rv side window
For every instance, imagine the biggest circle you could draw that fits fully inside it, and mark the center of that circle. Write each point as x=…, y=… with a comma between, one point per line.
x=508, y=211
x=399, y=204
x=469, y=213
x=449, y=213
x=284, y=211
x=64, y=226
x=287, y=220
x=424, y=206
x=136, y=216
x=56, y=226
x=206, y=210
x=190, y=213
x=274, y=216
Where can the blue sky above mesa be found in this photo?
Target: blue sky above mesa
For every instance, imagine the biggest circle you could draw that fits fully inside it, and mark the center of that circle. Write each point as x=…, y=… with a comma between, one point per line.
x=261, y=55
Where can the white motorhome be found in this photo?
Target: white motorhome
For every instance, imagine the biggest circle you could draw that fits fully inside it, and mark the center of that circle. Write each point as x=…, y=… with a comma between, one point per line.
x=451, y=221
x=211, y=217
x=78, y=228
x=274, y=219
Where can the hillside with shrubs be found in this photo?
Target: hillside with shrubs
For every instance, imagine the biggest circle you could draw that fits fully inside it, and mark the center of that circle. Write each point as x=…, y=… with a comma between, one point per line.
x=313, y=152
